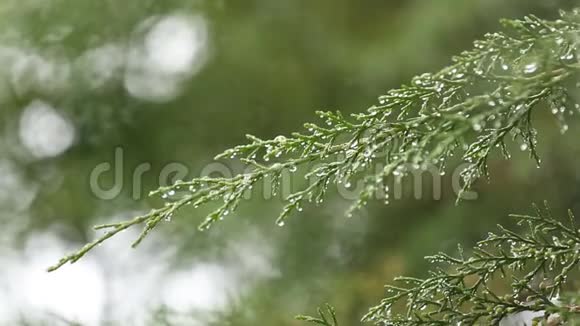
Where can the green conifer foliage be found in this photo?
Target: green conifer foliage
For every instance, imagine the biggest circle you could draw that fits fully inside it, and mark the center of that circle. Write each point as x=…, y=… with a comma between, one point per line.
x=473, y=108
x=507, y=273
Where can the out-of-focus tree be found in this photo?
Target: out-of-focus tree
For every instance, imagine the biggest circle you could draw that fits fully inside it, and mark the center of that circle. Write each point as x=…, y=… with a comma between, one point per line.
x=102, y=73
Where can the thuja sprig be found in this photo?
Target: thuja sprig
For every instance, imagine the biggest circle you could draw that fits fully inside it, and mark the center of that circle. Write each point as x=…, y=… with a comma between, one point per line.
x=506, y=273
x=327, y=317
x=470, y=108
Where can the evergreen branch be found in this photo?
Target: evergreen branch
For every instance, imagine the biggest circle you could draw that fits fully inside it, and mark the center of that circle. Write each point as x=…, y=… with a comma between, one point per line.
x=469, y=108
x=323, y=319
x=465, y=292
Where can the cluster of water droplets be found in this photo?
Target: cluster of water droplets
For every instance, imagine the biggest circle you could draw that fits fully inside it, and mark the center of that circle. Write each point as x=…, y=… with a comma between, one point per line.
x=422, y=108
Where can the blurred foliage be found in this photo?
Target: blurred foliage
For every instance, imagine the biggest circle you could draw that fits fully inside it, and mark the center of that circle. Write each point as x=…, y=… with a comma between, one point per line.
x=270, y=65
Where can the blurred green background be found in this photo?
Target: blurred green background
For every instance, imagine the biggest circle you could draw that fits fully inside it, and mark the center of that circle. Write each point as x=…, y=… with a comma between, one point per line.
x=179, y=81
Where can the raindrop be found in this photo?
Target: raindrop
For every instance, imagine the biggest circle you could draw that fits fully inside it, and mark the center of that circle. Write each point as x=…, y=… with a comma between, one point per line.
x=280, y=139
x=567, y=57
x=531, y=68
